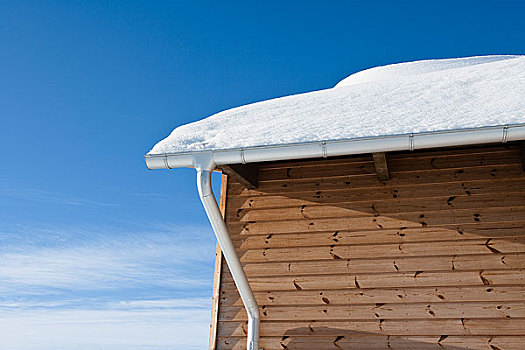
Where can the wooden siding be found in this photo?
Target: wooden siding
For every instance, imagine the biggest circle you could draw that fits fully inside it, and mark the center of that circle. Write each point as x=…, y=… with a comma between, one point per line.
x=217, y=271
x=433, y=258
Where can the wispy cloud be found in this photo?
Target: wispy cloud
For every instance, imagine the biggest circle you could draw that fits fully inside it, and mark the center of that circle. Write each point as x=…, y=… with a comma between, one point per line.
x=150, y=195
x=162, y=303
x=105, y=288
x=105, y=260
x=172, y=324
x=51, y=197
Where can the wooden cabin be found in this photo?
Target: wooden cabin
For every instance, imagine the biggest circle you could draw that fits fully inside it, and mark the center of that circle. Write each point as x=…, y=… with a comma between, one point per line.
x=385, y=213
x=405, y=250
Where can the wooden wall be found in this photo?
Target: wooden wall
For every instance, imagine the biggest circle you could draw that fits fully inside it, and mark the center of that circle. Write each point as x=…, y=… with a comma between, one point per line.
x=433, y=258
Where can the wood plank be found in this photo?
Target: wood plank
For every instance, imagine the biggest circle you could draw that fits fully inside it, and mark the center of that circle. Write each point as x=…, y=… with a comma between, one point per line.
x=380, y=207
x=420, y=234
x=359, y=160
x=508, y=309
x=245, y=174
x=387, y=280
x=212, y=344
x=375, y=251
x=370, y=182
x=323, y=297
x=391, y=195
x=396, y=165
x=313, y=162
x=375, y=342
x=385, y=265
x=381, y=166
x=522, y=154
x=392, y=221
x=437, y=327
x=462, y=150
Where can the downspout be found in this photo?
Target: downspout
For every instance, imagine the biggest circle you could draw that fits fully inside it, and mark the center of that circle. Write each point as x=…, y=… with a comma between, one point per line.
x=204, y=165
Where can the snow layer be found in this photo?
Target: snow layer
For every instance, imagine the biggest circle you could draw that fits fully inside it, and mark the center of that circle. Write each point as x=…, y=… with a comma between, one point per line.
x=421, y=96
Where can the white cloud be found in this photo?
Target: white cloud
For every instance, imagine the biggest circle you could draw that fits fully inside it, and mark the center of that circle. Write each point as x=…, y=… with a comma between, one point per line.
x=162, y=303
x=100, y=267
x=166, y=324
x=89, y=288
x=104, y=260
x=51, y=197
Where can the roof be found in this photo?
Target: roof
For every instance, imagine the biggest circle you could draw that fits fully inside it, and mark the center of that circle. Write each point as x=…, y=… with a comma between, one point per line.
x=413, y=97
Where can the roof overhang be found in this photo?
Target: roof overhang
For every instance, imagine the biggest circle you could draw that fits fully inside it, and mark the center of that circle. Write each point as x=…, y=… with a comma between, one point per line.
x=324, y=149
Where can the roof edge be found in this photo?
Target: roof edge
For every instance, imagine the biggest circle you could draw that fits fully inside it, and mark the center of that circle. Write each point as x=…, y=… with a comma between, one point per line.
x=331, y=148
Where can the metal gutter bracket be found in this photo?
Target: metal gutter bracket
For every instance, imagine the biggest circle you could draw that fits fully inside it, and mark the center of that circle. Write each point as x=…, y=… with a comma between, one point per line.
x=204, y=164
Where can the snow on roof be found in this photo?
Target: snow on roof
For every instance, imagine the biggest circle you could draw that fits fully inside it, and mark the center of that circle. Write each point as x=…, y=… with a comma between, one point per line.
x=420, y=96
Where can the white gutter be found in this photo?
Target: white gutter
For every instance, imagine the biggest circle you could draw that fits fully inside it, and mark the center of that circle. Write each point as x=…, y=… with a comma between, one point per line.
x=205, y=162
x=407, y=142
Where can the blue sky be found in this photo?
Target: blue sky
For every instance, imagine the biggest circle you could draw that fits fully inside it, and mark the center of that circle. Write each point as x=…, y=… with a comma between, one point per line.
x=97, y=252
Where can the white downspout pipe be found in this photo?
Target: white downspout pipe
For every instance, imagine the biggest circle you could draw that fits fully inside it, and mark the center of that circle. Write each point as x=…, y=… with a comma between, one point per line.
x=204, y=166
